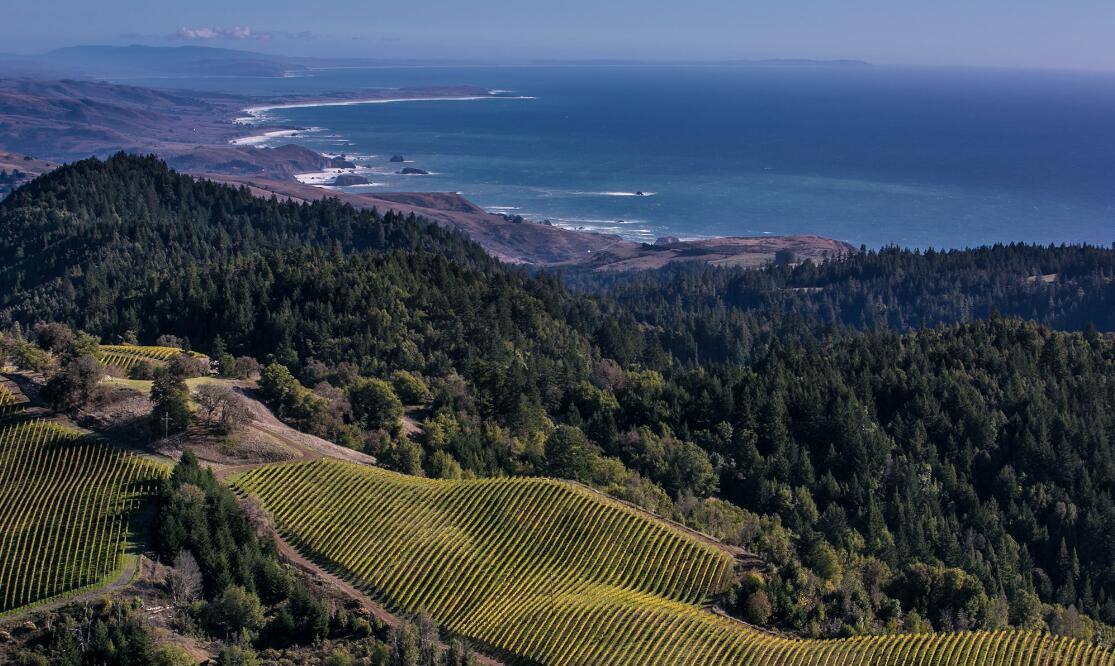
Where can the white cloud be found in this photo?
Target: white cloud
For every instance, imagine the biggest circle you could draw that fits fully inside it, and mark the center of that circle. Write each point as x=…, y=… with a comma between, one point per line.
x=210, y=33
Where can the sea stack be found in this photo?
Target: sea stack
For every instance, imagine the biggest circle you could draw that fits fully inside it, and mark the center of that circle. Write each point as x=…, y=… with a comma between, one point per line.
x=349, y=179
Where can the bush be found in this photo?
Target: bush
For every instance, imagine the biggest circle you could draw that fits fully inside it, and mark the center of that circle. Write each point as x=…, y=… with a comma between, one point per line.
x=403, y=456
x=53, y=337
x=339, y=657
x=374, y=404
x=172, y=655
x=236, y=655
x=410, y=388
x=757, y=608
x=143, y=369
x=167, y=340
x=74, y=384
x=27, y=356
x=28, y=658
x=234, y=612
x=186, y=366
x=246, y=367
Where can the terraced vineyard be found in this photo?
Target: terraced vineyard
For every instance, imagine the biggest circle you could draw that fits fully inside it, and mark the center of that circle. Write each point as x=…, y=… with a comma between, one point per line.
x=126, y=356
x=9, y=404
x=67, y=501
x=553, y=573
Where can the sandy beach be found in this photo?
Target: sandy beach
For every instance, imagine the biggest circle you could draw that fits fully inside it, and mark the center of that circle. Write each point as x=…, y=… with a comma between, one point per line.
x=257, y=113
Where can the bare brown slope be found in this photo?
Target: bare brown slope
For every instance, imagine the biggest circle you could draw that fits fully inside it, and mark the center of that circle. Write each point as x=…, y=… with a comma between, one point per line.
x=522, y=243
x=545, y=245
x=64, y=120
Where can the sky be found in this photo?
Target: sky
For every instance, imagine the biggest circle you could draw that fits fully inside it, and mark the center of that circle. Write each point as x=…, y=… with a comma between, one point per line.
x=1074, y=34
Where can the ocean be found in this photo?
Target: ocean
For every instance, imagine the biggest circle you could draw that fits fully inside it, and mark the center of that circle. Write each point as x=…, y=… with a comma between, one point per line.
x=874, y=155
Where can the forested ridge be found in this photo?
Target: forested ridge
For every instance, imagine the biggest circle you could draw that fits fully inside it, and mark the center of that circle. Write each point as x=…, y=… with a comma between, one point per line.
x=81, y=242
x=887, y=430
x=714, y=314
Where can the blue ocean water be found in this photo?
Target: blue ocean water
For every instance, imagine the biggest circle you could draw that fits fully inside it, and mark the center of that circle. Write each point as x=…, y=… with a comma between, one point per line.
x=920, y=157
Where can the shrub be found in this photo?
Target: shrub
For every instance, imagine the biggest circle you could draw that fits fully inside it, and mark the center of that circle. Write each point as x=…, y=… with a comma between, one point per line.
x=186, y=366
x=246, y=367
x=757, y=607
x=143, y=369
x=237, y=610
x=374, y=404
x=236, y=655
x=172, y=655
x=339, y=657
x=74, y=384
x=410, y=388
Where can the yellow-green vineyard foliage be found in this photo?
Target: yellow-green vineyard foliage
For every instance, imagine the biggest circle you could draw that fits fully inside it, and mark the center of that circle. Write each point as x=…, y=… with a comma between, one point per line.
x=126, y=356
x=553, y=573
x=9, y=404
x=67, y=500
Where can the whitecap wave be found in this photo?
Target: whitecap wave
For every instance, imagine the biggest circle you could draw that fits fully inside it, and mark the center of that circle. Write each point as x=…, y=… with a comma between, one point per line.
x=637, y=193
x=267, y=137
x=260, y=139
x=326, y=176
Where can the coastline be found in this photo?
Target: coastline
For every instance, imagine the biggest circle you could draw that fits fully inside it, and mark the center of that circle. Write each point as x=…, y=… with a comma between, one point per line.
x=257, y=139
x=356, y=165
x=192, y=135
x=255, y=113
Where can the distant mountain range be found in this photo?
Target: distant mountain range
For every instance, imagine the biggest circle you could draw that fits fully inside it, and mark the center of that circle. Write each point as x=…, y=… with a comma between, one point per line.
x=108, y=62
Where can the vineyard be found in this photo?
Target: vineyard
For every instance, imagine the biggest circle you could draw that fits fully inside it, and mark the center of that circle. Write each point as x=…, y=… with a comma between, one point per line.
x=9, y=404
x=553, y=573
x=126, y=356
x=67, y=501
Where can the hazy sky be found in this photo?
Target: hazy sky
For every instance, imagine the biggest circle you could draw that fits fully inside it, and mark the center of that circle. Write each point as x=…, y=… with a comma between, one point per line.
x=1026, y=33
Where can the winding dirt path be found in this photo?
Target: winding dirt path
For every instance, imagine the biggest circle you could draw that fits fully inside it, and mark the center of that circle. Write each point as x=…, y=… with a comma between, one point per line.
x=131, y=571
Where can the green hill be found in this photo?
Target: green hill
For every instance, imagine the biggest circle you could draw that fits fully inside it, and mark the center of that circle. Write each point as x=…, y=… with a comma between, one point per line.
x=68, y=501
x=551, y=573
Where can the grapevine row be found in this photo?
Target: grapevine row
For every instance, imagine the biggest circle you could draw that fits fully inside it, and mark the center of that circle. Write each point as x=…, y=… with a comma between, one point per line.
x=555, y=574
x=126, y=356
x=67, y=501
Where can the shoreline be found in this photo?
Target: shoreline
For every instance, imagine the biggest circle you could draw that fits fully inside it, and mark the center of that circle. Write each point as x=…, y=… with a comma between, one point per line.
x=256, y=112
x=596, y=244
x=257, y=139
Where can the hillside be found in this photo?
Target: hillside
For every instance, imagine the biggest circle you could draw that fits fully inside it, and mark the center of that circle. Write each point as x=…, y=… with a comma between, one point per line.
x=519, y=241
x=72, y=119
x=952, y=477
x=130, y=220
x=15, y=170
x=551, y=574
x=718, y=309
x=70, y=502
